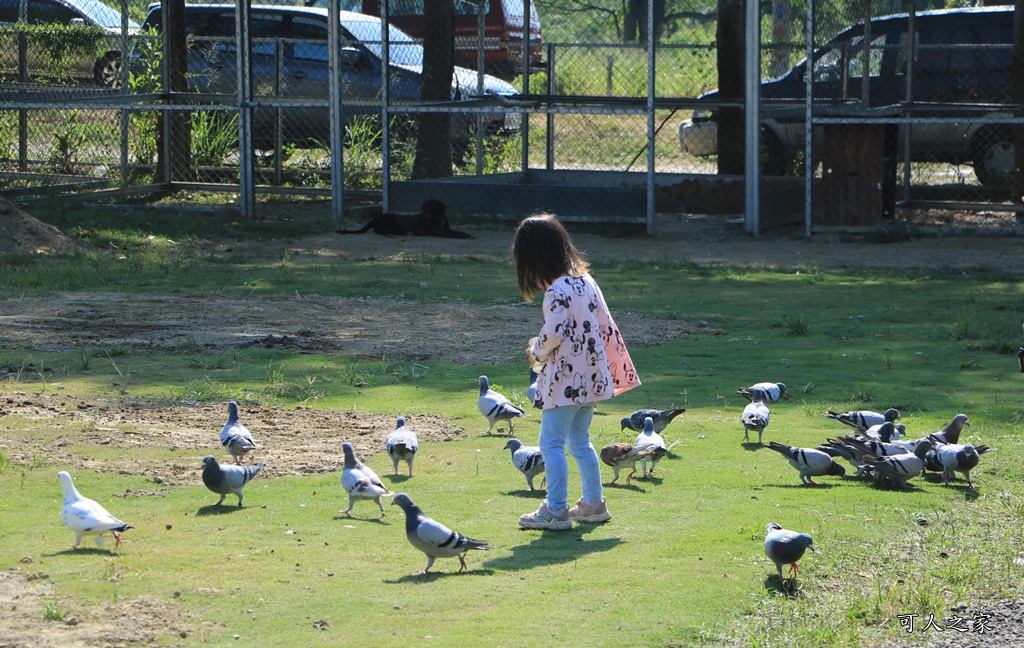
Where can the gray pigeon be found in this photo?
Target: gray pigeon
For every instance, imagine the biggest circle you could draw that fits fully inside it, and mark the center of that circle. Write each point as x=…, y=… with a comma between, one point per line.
x=401, y=445
x=360, y=482
x=785, y=547
x=497, y=407
x=227, y=479
x=531, y=391
x=863, y=419
x=661, y=418
x=809, y=461
x=948, y=458
x=772, y=391
x=433, y=538
x=950, y=433
x=234, y=436
x=85, y=517
x=899, y=468
x=527, y=459
x=755, y=416
x=648, y=439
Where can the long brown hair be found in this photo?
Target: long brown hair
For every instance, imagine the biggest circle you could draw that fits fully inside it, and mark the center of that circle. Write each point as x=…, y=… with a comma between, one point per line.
x=543, y=251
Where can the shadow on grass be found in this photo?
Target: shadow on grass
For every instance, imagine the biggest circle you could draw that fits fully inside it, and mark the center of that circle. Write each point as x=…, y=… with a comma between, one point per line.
x=649, y=479
x=376, y=519
x=397, y=479
x=552, y=547
x=214, y=509
x=752, y=446
x=814, y=486
x=630, y=486
x=430, y=577
x=88, y=551
x=537, y=494
x=788, y=587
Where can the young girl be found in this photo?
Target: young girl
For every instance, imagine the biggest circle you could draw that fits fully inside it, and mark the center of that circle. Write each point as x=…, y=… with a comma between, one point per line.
x=580, y=359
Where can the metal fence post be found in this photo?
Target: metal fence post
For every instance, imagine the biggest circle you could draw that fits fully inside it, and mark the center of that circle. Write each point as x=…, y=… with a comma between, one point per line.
x=337, y=126
x=752, y=120
x=243, y=48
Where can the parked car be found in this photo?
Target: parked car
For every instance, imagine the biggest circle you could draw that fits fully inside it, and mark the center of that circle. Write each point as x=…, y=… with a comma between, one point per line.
x=962, y=66
x=503, y=30
x=104, y=69
x=303, y=75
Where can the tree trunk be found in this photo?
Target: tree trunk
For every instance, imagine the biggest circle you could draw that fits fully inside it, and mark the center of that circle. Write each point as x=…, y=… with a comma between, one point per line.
x=730, y=44
x=434, y=142
x=179, y=149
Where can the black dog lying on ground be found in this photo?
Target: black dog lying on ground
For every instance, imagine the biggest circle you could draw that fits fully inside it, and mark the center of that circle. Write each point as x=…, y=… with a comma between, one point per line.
x=432, y=221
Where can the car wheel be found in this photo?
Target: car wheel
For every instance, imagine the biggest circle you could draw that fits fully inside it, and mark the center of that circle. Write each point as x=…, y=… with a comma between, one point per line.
x=107, y=70
x=994, y=156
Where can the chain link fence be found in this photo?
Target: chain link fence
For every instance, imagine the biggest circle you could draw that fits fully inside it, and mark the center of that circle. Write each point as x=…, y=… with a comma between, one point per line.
x=909, y=115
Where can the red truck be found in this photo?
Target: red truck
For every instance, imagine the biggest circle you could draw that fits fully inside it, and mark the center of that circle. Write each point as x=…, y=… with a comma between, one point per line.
x=503, y=31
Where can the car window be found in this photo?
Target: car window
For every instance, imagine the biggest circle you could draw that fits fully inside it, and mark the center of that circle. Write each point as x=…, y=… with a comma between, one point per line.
x=310, y=40
x=943, y=50
x=995, y=47
x=42, y=11
x=403, y=50
x=9, y=11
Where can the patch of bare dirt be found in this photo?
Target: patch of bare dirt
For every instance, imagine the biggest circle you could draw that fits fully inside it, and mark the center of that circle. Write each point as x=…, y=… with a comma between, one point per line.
x=25, y=592
x=292, y=441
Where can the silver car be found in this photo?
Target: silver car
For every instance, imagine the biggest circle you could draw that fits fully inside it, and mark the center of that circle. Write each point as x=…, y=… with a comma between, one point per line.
x=300, y=72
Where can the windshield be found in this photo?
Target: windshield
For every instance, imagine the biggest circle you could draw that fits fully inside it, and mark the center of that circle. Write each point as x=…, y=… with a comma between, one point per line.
x=105, y=16
x=402, y=48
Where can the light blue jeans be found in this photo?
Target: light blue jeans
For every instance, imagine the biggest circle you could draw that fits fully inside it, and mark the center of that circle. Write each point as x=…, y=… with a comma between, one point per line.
x=569, y=426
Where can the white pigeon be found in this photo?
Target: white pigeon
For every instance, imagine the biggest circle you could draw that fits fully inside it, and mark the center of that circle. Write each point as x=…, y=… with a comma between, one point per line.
x=433, y=538
x=863, y=419
x=661, y=418
x=527, y=459
x=496, y=407
x=84, y=517
x=234, y=436
x=948, y=458
x=785, y=547
x=648, y=439
x=755, y=416
x=809, y=461
x=401, y=445
x=227, y=479
x=772, y=391
x=360, y=482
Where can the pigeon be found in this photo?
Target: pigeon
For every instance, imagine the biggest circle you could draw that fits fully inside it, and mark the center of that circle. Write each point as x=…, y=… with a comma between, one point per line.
x=85, y=517
x=360, y=482
x=433, y=538
x=527, y=459
x=809, y=461
x=785, y=547
x=661, y=418
x=235, y=437
x=877, y=448
x=772, y=391
x=496, y=407
x=401, y=445
x=863, y=419
x=623, y=455
x=884, y=433
x=948, y=458
x=950, y=433
x=899, y=468
x=650, y=440
x=227, y=479
x=531, y=391
x=1020, y=359
x=755, y=416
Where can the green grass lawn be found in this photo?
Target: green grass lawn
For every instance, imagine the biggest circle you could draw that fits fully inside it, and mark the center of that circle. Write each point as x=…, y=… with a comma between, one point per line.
x=681, y=563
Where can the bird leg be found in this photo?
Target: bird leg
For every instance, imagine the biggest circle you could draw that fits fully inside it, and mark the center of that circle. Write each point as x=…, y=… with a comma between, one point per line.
x=630, y=475
x=746, y=434
x=462, y=559
x=346, y=511
x=117, y=540
x=794, y=569
x=544, y=482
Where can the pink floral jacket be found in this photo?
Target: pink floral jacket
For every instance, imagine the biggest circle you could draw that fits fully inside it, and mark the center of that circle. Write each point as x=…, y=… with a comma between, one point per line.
x=583, y=357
